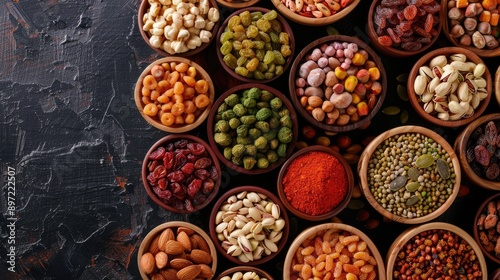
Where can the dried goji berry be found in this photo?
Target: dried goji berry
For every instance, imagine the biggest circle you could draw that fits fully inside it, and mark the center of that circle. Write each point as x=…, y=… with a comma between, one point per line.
x=194, y=187
x=196, y=148
x=203, y=162
x=160, y=172
x=385, y=40
x=188, y=168
x=168, y=160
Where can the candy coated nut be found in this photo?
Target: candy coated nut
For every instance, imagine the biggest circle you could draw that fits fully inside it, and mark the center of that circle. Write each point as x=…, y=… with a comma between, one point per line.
x=374, y=73
x=363, y=75
x=358, y=59
x=363, y=109
x=376, y=88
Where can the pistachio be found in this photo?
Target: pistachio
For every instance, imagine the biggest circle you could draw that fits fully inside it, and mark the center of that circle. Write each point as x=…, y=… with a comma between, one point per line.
x=439, y=60
x=426, y=72
x=479, y=70
x=458, y=57
x=456, y=108
x=443, y=116
x=420, y=84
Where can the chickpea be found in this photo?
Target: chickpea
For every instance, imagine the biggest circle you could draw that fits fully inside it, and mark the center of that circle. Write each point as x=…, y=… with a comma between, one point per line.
x=150, y=109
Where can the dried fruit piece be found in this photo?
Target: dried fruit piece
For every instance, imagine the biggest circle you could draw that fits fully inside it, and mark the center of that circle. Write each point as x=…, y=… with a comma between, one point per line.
x=385, y=40
x=482, y=155
x=491, y=133
x=410, y=12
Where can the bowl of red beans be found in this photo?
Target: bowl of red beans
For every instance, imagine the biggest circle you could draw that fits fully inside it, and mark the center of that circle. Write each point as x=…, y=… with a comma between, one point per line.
x=181, y=174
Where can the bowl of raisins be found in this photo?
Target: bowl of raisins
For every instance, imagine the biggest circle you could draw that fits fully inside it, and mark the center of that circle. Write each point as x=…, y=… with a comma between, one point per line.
x=181, y=173
x=402, y=28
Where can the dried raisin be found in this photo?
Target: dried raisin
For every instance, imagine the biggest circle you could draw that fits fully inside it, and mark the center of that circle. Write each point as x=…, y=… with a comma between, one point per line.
x=482, y=155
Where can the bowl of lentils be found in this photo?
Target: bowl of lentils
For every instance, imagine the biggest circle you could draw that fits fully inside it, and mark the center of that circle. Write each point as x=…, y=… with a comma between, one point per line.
x=435, y=251
x=409, y=174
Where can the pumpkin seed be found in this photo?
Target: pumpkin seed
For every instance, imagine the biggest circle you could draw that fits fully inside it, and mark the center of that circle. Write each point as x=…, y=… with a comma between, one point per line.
x=413, y=173
x=402, y=92
x=412, y=200
x=443, y=168
x=391, y=110
x=412, y=186
x=424, y=161
x=402, y=78
x=397, y=183
x=404, y=116
x=331, y=30
x=356, y=204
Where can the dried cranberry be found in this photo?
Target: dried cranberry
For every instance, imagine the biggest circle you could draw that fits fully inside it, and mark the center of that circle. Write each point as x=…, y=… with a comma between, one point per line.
x=169, y=147
x=176, y=203
x=208, y=186
x=152, y=165
x=188, y=168
x=151, y=179
x=168, y=160
x=482, y=155
x=196, y=148
x=191, y=158
x=162, y=183
x=180, y=160
x=157, y=154
x=202, y=174
x=160, y=172
x=176, y=176
x=214, y=174
x=194, y=187
x=178, y=190
x=199, y=198
x=188, y=205
x=202, y=163
x=163, y=194
x=181, y=143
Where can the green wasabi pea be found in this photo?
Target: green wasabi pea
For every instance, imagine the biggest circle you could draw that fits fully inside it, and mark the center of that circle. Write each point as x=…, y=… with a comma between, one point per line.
x=254, y=133
x=243, y=140
x=221, y=126
x=238, y=150
x=248, y=162
x=262, y=163
x=223, y=138
x=260, y=142
x=239, y=110
x=223, y=107
x=273, y=144
x=284, y=112
x=232, y=99
x=276, y=103
x=250, y=150
x=248, y=119
x=281, y=150
x=273, y=122
x=234, y=123
x=272, y=156
x=242, y=130
x=262, y=126
x=249, y=103
x=285, y=135
x=266, y=96
x=270, y=135
x=228, y=153
x=254, y=93
x=228, y=114
x=263, y=114
x=286, y=121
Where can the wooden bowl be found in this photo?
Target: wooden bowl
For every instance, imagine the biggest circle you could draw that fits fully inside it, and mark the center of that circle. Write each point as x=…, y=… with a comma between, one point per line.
x=365, y=163
x=200, y=114
x=219, y=150
x=417, y=104
x=237, y=4
x=285, y=27
x=462, y=144
x=483, y=210
x=198, y=202
x=447, y=26
x=497, y=85
x=304, y=240
x=328, y=188
x=146, y=35
x=244, y=269
x=293, y=88
x=406, y=238
x=237, y=194
x=393, y=50
x=310, y=20
x=150, y=244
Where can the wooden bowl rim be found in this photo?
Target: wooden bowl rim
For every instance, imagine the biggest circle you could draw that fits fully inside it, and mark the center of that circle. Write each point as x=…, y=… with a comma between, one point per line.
x=340, y=227
x=245, y=268
x=249, y=188
x=408, y=234
x=446, y=30
x=394, y=52
x=238, y=4
x=461, y=146
x=215, y=147
x=175, y=128
x=142, y=9
x=476, y=232
x=314, y=21
x=163, y=141
x=285, y=26
x=299, y=61
x=372, y=146
x=336, y=210
x=175, y=224
x=415, y=102
x=497, y=85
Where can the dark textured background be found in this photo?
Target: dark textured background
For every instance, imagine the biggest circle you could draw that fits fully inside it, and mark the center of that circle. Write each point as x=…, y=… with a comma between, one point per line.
x=70, y=128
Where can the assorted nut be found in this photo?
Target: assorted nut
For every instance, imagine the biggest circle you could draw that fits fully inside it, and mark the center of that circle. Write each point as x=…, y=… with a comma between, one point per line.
x=177, y=26
x=249, y=226
x=249, y=275
x=451, y=87
x=316, y=8
x=483, y=151
x=488, y=227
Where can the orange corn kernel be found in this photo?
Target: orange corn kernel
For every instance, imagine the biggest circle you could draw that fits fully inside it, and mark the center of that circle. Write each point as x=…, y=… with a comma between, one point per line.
x=340, y=73
x=182, y=67
x=167, y=119
x=376, y=88
x=350, y=83
x=178, y=88
x=489, y=4
x=355, y=98
x=177, y=109
x=149, y=82
x=201, y=101
x=462, y=3
x=358, y=59
x=201, y=86
x=363, y=109
x=189, y=118
x=162, y=86
x=485, y=16
x=374, y=73
x=494, y=19
x=190, y=81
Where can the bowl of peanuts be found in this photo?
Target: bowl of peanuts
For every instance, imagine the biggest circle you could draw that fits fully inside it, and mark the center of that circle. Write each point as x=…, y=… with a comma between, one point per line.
x=178, y=27
x=449, y=87
x=333, y=249
x=486, y=225
x=255, y=45
x=435, y=250
x=401, y=28
x=244, y=272
x=177, y=250
x=315, y=13
x=337, y=83
x=174, y=94
x=237, y=4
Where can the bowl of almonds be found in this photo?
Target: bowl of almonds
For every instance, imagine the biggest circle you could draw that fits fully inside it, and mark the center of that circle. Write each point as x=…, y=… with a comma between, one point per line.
x=177, y=250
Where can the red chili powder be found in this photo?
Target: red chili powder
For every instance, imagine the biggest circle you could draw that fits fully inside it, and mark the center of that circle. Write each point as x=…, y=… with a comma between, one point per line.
x=315, y=183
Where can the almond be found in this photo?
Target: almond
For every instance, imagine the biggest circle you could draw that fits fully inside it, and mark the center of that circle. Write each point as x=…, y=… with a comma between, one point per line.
x=153, y=247
x=170, y=274
x=189, y=272
x=161, y=260
x=199, y=256
x=147, y=263
x=179, y=264
x=201, y=243
x=206, y=271
x=187, y=230
x=173, y=247
x=157, y=276
x=166, y=235
x=183, y=238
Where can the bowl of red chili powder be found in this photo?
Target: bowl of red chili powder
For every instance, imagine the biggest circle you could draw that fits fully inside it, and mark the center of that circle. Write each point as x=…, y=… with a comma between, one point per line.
x=315, y=183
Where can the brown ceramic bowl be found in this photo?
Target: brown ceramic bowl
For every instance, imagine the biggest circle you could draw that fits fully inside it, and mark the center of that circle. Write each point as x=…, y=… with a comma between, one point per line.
x=461, y=146
x=487, y=245
x=296, y=92
x=310, y=19
x=237, y=4
x=244, y=269
x=142, y=18
x=150, y=245
x=305, y=239
x=447, y=30
x=406, y=189
x=397, y=51
x=329, y=189
x=199, y=115
x=251, y=79
x=219, y=150
x=497, y=85
x=417, y=102
x=261, y=228
x=407, y=238
x=205, y=194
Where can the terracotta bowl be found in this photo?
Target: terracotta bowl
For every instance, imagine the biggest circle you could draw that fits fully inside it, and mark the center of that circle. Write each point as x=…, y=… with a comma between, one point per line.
x=146, y=35
x=244, y=269
x=447, y=30
x=150, y=245
x=339, y=203
x=177, y=205
x=497, y=85
x=225, y=212
x=407, y=238
x=397, y=51
x=251, y=79
x=200, y=114
x=219, y=150
x=407, y=186
x=480, y=231
x=418, y=104
x=305, y=109
x=310, y=19
x=463, y=143
x=305, y=239
x=237, y=4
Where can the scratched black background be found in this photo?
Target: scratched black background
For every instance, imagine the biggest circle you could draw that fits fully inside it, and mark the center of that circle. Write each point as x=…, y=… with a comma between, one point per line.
x=70, y=128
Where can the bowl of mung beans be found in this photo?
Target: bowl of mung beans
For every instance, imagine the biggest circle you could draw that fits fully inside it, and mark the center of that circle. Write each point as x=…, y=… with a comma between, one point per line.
x=333, y=250
x=255, y=44
x=409, y=174
x=174, y=94
x=435, y=250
